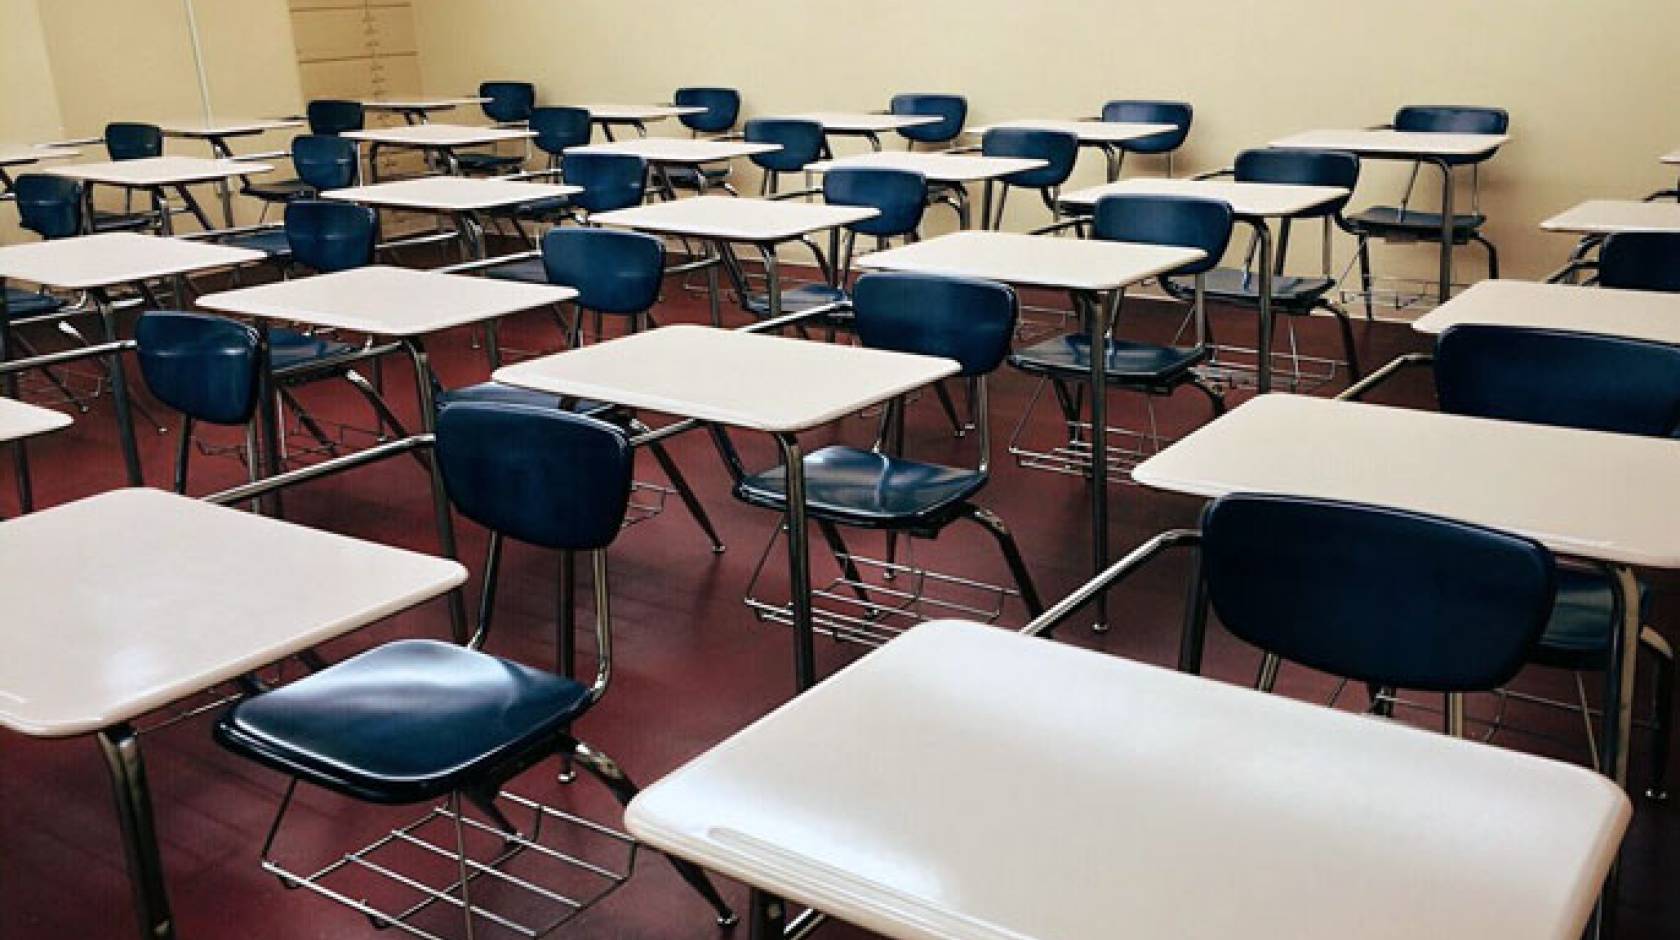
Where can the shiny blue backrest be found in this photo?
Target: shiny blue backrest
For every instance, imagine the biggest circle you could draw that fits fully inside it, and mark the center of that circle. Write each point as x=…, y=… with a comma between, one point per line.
x=899, y=195
x=1059, y=148
x=560, y=128
x=325, y=161
x=49, y=206
x=966, y=319
x=1452, y=119
x=205, y=367
x=801, y=141
x=1182, y=221
x=1577, y=380
x=331, y=236
x=509, y=101
x=613, y=271
x=952, y=110
x=1301, y=168
x=125, y=140
x=723, y=106
x=609, y=180
x=543, y=476
x=335, y=116
x=1378, y=595
x=1640, y=261
x=1176, y=113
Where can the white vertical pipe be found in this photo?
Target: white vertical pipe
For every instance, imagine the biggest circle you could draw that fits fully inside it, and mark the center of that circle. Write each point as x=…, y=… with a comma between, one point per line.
x=198, y=60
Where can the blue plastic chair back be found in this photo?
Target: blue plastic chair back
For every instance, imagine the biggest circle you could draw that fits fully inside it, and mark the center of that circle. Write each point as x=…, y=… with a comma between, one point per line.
x=966, y=319
x=723, y=107
x=1301, y=168
x=558, y=129
x=1374, y=594
x=1452, y=119
x=1181, y=221
x=50, y=206
x=899, y=195
x=509, y=102
x=1177, y=113
x=331, y=236
x=613, y=271
x=125, y=140
x=609, y=180
x=1576, y=380
x=325, y=161
x=335, y=116
x=206, y=367
x=801, y=142
x=1059, y=148
x=543, y=476
x=1640, y=261
x=952, y=111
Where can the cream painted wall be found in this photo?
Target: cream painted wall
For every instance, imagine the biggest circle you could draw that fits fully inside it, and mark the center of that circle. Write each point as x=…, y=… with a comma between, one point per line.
x=1587, y=84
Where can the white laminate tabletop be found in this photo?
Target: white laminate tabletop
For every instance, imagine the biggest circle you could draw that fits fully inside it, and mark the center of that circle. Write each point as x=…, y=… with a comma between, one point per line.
x=745, y=380
x=159, y=171
x=200, y=128
x=124, y=602
x=387, y=301
x=438, y=135
x=19, y=420
x=1088, y=132
x=450, y=193
x=22, y=154
x=1033, y=260
x=679, y=150
x=422, y=104
x=859, y=122
x=1588, y=494
x=1373, y=143
x=1635, y=314
x=967, y=783
x=1609, y=216
x=937, y=167
x=624, y=113
x=735, y=219
x=1254, y=200
x=110, y=258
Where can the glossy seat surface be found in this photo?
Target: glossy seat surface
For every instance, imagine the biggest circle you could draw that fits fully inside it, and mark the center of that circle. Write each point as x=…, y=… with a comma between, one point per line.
x=290, y=349
x=1235, y=284
x=279, y=190
x=864, y=488
x=272, y=242
x=1069, y=356
x=1412, y=220
x=28, y=303
x=503, y=394
x=531, y=271
x=794, y=300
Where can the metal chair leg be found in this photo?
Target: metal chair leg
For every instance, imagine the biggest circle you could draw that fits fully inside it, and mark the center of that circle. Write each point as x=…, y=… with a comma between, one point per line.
x=989, y=521
x=1492, y=253
x=487, y=598
x=1266, y=681
x=1662, y=725
x=1363, y=251
x=691, y=501
x=958, y=428
x=1213, y=395
x=843, y=558
x=1349, y=350
x=183, y=453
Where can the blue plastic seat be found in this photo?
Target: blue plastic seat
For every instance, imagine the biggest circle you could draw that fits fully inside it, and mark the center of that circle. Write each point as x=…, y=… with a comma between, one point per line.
x=128, y=140
x=508, y=103
x=323, y=162
x=1126, y=111
x=722, y=109
x=1058, y=149
x=51, y=207
x=1640, y=261
x=609, y=180
x=22, y=303
x=801, y=141
x=952, y=111
x=209, y=368
x=333, y=116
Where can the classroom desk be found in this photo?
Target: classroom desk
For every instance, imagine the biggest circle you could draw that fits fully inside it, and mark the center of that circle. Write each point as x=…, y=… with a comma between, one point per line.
x=464, y=200
x=751, y=381
x=96, y=264
x=440, y=139
x=1604, y=498
x=952, y=169
x=1611, y=216
x=217, y=134
x=1095, y=273
x=16, y=155
x=637, y=116
x=1410, y=146
x=966, y=783
x=156, y=176
x=1635, y=314
x=419, y=110
x=688, y=152
x=722, y=221
x=868, y=125
x=20, y=421
x=1255, y=204
x=1106, y=136
x=183, y=601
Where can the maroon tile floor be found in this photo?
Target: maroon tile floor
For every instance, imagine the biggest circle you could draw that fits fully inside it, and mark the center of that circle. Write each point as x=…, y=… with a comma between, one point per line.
x=693, y=665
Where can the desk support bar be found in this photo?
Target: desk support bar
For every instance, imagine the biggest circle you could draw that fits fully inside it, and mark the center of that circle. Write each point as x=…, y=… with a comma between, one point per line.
x=1046, y=623
x=1360, y=389
x=325, y=468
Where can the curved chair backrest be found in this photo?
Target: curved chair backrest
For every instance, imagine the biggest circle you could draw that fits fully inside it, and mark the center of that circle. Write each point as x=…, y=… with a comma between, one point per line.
x=1374, y=594
x=206, y=367
x=1576, y=380
x=509, y=102
x=331, y=236
x=541, y=475
x=125, y=140
x=1177, y=113
x=50, y=206
x=325, y=161
x=613, y=271
x=1452, y=119
x=1640, y=261
x=1301, y=168
x=723, y=107
x=609, y=180
x=1181, y=221
x=966, y=319
x=558, y=129
x=801, y=142
x=952, y=111
x=1058, y=148
x=899, y=195
x=335, y=116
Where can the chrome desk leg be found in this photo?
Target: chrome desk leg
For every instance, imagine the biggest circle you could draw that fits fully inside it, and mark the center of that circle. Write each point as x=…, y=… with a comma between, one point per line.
x=1445, y=289
x=1263, y=378
x=121, y=747
x=1619, y=677
x=712, y=298
x=986, y=206
x=119, y=391
x=799, y=565
x=440, y=500
x=9, y=388
x=1193, y=638
x=772, y=280
x=224, y=188
x=1097, y=311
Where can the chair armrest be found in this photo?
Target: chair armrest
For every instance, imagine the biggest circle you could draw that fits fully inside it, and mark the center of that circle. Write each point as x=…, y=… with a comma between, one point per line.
x=532, y=174
x=262, y=155
x=73, y=142
x=1055, y=227
x=1215, y=174
x=813, y=191
x=485, y=264
x=217, y=234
